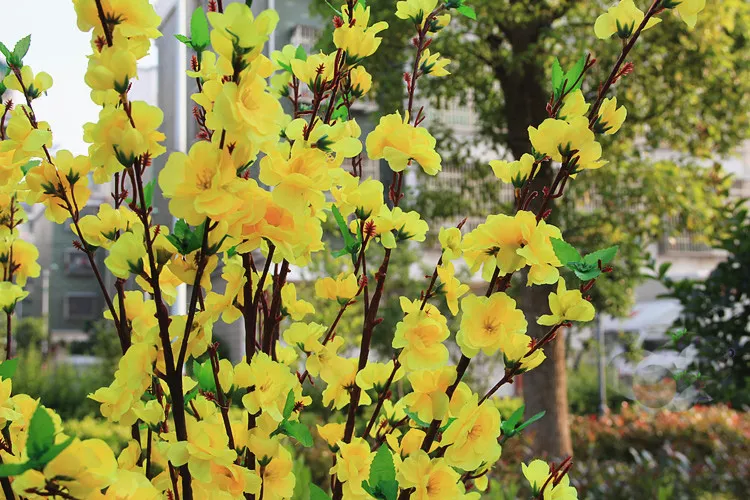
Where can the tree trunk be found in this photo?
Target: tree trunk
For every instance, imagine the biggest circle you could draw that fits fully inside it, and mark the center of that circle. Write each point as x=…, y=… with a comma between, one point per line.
x=545, y=388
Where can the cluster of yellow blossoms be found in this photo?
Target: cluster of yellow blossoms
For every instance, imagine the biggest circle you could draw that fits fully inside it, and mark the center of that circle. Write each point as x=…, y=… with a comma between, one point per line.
x=259, y=185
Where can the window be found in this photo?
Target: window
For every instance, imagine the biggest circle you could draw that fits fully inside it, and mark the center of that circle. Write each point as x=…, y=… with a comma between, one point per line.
x=80, y=305
x=76, y=263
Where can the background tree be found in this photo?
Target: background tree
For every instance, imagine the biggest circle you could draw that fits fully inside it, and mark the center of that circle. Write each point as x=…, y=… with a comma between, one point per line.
x=693, y=80
x=716, y=316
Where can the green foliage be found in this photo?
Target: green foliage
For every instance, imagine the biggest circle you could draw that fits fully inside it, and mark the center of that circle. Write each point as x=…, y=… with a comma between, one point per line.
x=716, y=315
x=185, y=239
x=583, y=391
x=15, y=57
x=8, y=368
x=62, y=387
x=382, y=481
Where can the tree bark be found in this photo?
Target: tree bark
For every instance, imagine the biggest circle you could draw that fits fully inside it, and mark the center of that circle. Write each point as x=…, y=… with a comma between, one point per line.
x=545, y=388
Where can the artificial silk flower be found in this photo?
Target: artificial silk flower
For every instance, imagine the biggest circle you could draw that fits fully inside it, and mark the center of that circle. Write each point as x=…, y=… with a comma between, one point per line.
x=291, y=306
x=31, y=85
x=112, y=68
x=340, y=379
x=394, y=226
x=316, y=70
x=567, y=305
x=360, y=82
x=537, y=472
x=432, y=479
x=134, y=18
x=472, y=438
x=622, y=19
x=61, y=186
x=450, y=286
x=515, y=172
x=126, y=255
x=415, y=10
x=352, y=196
x=516, y=347
x=353, y=466
x=610, y=117
x=21, y=256
x=486, y=321
x=568, y=140
x=420, y=335
x=432, y=64
x=428, y=399
x=238, y=37
x=341, y=289
x=398, y=142
x=689, y=9
x=10, y=295
x=306, y=336
x=375, y=375
x=332, y=434
x=23, y=138
x=357, y=39
x=574, y=104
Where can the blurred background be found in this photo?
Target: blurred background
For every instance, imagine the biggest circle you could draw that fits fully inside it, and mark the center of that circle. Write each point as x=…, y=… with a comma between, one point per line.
x=651, y=398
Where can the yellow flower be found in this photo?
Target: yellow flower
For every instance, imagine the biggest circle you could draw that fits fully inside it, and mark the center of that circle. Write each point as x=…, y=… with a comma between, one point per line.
x=485, y=321
x=297, y=309
x=689, y=9
x=561, y=139
x=101, y=229
x=451, y=286
x=515, y=172
x=516, y=347
x=272, y=382
x=432, y=64
x=622, y=19
x=375, y=375
x=60, y=186
x=473, y=436
x=125, y=256
x=428, y=399
x=246, y=111
x=83, y=468
x=340, y=380
x=610, y=117
x=342, y=289
x=135, y=18
x=421, y=334
x=35, y=85
x=22, y=137
x=332, y=434
x=398, y=142
x=357, y=39
x=207, y=445
x=350, y=196
x=151, y=412
x=536, y=473
x=415, y=10
x=10, y=295
x=394, y=226
x=574, y=104
x=567, y=305
x=114, y=141
x=112, y=68
x=512, y=243
x=7, y=413
x=278, y=476
x=360, y=82
x=201, y=184
x=316, y=70
x=341, y=138
x=306, y=336
x=432, y=479
x=238, y=37
x=450, y=242
x=353, y=465
x=323, y=362
x=410, y=443
x=24, y=259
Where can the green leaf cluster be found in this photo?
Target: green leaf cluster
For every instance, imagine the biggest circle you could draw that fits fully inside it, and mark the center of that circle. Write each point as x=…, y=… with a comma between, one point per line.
x=513, y=426
x=586, y=268
x=186, y=239
x=293, y=428
x=15, y=58
x=382, y=481
x=199, y=33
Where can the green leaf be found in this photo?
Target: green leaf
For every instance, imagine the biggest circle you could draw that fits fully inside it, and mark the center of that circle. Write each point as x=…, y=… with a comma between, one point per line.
x=316, y=493
x=204, y=373
x=55, y=450
x=606, y=256
x=530, y=421
x=363, y=3
x=557, y=76
x=184, y=39
x=349, y=241
x=4, y=51
x=389, y=489
x=29, y=165
x=572, y=76
x=191, y=395
x=467, y=11
x=7, y=470
x=412, y=415
x=199, y=30
x=584, y=270
x=564, y=251
x=509, y=425
x=8, y=368
x=41, y=434
x=289, y=404
x=448, y=423
x=249, y=3
x=22, y=48
x=298, y=431
x=382, y=468
x=148, y=192
x=300, y=54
